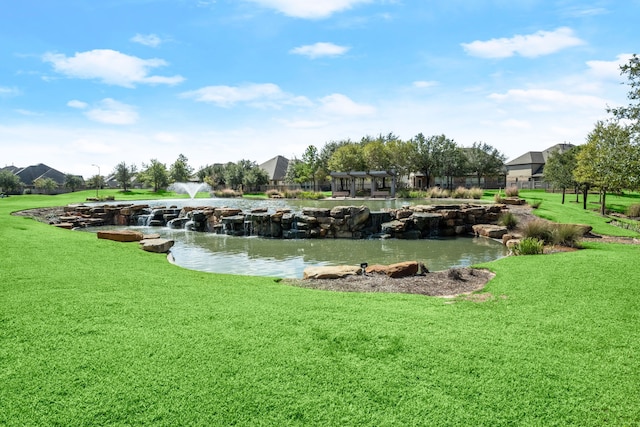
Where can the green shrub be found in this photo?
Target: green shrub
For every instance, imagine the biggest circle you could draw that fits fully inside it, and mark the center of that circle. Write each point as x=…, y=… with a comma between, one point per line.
x=568, y=235
x=536, y=204
x=529, y=246
x=509, y=220
x=310, y=195
x=633, y=210
x=540, y=230
x=512, y=191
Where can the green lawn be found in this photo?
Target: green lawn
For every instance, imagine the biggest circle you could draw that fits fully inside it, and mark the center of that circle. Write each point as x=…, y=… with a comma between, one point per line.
x=94, y=332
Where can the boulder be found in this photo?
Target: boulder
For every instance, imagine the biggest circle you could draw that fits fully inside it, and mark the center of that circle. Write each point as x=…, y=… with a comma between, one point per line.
x=405, y=269
x=490, y=231
x=331, y=272
x=121, y=235
x=156, y=245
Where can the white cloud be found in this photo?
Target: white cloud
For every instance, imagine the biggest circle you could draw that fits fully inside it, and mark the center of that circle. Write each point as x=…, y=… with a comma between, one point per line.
x=74, y=103
x=150, y=40
x=110, y=67
x=303, y=124
x=112, y=112
x=609, y=70
x=254, y=94
x=91, y=146
x=422, y=84
x=27, y=112
x=549, y=100
x=320, y=49
x=8, y=91
x=530, y=46
x=342, y=105
x=309, y=9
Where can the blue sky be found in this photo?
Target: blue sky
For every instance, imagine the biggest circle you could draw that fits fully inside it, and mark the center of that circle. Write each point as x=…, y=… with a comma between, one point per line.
x=87, y=83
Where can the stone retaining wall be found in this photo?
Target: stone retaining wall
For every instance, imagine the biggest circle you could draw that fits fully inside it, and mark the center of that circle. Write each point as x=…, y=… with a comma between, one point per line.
x=350, y=222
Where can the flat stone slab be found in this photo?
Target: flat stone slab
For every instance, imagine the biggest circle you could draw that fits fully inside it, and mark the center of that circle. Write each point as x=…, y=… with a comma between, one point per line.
x=331, y=272
x=490, y=231
x=121, y=235
x=156, y=245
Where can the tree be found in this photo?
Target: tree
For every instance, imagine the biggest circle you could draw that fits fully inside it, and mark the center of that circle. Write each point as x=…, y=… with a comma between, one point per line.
x=631, y=112
x=72, y=182
x=453, y=162
x=10, y=183
x=558, y=170
x=96, y=181
x=46, y=184
x=212, y=175
x=254, y=177
x=348, y=157
x=427, y=155
x=155, y=174
x=484, y=160
x=609, y=160
x=180, y=171
x=124, y=174
x=244, y=174
x=311, y=161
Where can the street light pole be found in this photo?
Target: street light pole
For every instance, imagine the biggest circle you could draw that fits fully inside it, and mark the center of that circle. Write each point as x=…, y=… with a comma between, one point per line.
x=98, y=179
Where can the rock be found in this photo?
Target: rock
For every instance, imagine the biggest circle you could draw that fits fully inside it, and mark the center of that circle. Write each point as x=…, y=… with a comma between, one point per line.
x=490, y=231
x=405, y=269
x=377, y=269
x=513, y=201
x=393, y=227
x=316, y=212
x=121, y=235
x=358, y=217
x=156, y=245
x=331, y=272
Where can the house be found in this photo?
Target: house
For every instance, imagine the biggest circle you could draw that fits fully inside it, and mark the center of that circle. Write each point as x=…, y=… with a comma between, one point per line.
x=276, y=169
x=527, y=171
x=29, y=174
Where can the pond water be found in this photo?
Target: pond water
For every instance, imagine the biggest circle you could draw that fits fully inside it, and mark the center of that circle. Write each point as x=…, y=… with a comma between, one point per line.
x=287, y=258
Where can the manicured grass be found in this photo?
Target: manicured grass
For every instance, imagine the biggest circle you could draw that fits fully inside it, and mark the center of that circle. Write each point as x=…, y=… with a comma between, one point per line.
x=94, y=332
x=571, y=212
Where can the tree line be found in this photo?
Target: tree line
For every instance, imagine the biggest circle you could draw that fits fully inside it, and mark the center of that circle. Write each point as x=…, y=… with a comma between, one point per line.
x=609, y=161
x=432, y=156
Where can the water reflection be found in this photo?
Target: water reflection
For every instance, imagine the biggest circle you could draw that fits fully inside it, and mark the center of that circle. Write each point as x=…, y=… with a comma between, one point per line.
x=288, y=258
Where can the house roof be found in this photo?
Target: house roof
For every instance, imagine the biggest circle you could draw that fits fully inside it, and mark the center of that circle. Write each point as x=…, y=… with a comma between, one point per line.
x=538, y=157
x=31, y=173
x=276, y=168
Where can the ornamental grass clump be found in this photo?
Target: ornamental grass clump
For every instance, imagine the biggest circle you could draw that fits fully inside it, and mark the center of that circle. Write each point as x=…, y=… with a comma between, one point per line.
x=459, y=193
x=227, y=193
x=509, y=220
x=512, y=191
x=633, y=210
x=292, y=194
x=476, y=193
x=273, y=194
x=540, y=230
x=529, y=246
x=568, y=235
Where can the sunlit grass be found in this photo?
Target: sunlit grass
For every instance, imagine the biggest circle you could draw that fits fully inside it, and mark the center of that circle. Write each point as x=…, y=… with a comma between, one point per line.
x=94, y=332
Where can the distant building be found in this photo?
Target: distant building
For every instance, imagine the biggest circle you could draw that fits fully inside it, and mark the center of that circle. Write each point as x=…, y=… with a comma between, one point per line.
x=276, y=169
x=527, y=171
x=28, y=175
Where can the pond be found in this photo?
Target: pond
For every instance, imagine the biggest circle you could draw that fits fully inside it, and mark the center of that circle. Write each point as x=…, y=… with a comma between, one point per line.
x=287, y=258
